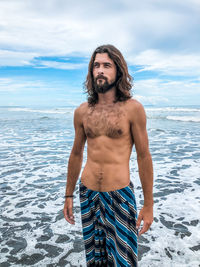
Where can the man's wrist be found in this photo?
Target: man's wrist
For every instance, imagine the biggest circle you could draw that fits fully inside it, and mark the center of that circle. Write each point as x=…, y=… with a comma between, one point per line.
x=148, y=203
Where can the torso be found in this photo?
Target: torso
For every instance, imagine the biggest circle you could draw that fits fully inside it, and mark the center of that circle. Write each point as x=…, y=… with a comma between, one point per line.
x=109, y=146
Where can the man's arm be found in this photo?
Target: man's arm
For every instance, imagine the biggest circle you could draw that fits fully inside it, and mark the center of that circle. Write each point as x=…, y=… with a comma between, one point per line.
x=139, y=132
x=74, y=163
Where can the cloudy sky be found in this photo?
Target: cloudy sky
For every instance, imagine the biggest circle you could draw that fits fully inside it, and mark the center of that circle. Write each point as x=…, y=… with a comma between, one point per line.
x=45, y=47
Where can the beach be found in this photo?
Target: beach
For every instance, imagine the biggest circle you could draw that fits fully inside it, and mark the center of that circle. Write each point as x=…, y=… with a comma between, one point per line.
x=35, y=145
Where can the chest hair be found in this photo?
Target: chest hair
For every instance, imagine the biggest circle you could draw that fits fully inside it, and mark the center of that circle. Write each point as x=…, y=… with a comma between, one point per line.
x=104, y=121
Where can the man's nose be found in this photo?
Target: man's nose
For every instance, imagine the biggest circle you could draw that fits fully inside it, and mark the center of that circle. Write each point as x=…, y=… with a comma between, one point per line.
x=100, y=70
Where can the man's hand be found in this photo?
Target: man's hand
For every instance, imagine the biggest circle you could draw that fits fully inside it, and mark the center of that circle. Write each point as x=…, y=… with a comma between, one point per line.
x=146, y=214
x=68, y=210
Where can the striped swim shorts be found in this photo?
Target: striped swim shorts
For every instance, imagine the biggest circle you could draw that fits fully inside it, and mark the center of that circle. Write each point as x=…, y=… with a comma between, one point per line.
x=109, y=226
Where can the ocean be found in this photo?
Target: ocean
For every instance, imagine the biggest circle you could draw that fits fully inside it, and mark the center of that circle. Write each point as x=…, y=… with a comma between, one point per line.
x=35, y=145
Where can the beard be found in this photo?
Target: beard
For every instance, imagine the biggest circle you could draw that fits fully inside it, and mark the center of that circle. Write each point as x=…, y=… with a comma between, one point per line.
x=102, y=88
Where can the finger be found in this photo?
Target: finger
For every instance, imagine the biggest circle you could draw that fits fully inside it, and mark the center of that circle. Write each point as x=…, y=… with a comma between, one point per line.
x=145, y=228
x=69, y=215
x=69, y=219
x=138, y=221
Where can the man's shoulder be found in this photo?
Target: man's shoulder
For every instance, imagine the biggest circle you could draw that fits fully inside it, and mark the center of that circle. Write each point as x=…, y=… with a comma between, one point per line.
x=81, y=109
x=136, y=112
x=134, y=105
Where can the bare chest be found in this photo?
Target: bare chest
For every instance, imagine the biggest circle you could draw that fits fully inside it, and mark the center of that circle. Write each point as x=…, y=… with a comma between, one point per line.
x=111, y=122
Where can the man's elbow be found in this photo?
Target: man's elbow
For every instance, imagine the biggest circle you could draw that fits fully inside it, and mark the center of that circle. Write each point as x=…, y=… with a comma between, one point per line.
x=77, y=152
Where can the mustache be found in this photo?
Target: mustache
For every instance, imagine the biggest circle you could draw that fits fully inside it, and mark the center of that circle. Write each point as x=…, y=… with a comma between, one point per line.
x=101, y=77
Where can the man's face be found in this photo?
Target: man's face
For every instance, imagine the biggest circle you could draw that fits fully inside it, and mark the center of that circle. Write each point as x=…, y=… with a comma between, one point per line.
x=104, y=73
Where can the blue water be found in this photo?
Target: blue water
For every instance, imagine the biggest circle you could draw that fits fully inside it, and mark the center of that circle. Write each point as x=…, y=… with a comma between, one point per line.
x=35, y=145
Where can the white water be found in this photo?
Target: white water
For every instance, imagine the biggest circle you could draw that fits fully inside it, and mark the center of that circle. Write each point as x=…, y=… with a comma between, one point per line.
x=34, y=154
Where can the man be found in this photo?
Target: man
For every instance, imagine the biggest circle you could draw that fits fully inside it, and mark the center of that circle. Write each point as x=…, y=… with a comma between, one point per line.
x=111, y=122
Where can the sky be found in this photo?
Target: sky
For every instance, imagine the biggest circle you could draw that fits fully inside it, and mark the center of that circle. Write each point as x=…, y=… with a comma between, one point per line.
x=45, y=48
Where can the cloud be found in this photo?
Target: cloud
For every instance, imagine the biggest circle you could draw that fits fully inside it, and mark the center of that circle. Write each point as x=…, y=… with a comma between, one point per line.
x=167, y=63
x=35, y=86
x=160, y=38
x=27, y=91
x=16, y=58
x=159, y=91
x=60, y=65
x=151, y=100
x=60, y=27
x=21, y=84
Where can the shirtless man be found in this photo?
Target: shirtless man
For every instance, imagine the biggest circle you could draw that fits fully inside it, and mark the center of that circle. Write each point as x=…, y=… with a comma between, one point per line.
x=111, y=122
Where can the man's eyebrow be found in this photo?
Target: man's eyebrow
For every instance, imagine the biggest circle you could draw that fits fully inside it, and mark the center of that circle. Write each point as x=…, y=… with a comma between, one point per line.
x=107, y=63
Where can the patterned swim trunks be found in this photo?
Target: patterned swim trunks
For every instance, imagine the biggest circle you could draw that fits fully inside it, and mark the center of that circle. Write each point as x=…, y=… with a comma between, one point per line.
x=109, y=226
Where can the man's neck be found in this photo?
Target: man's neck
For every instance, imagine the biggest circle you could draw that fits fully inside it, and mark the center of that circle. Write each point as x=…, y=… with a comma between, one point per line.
x=107, y=98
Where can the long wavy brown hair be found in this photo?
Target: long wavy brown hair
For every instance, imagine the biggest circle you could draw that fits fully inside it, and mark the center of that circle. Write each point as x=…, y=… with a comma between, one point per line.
x=123, y=80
